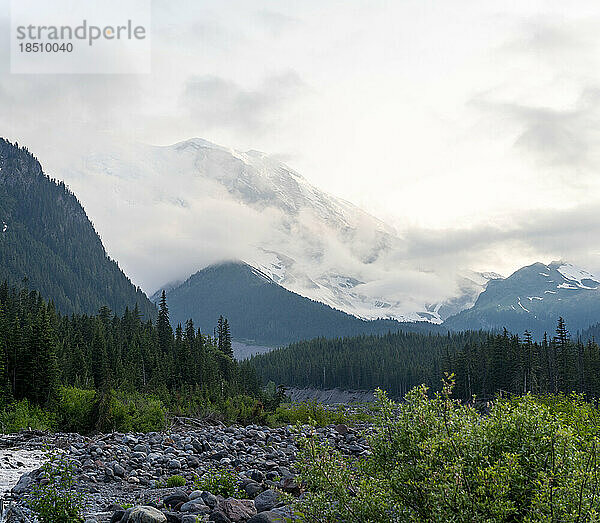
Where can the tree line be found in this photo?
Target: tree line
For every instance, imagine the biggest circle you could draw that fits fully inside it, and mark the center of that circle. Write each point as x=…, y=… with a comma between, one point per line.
x=483, y=363
x=506, y=362
x=42, y=350
x=395, y=362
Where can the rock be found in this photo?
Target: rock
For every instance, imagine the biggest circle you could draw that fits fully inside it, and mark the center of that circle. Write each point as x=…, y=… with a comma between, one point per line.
x=174, y=499
x=172, y=517
x=146, y=514
x=341, y=429
x=195, y=494
x=238, y=509
x=267, y=517
x=218, y=517
x=290, y=486
x=209, y=499
x=195, y=506
x=252, y=489
x=22, y=485
x=118, y=470
x=117, y=516
x=266, y=500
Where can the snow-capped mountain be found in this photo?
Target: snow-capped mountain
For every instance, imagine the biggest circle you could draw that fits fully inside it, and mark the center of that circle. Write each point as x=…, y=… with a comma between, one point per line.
x=533, y=298
x=176, y=209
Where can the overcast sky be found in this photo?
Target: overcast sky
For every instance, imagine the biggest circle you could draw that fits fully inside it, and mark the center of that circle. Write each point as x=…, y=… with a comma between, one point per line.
x=473, y=127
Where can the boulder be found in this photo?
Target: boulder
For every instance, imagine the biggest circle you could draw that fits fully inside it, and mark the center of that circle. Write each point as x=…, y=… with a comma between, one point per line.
x=146, y=515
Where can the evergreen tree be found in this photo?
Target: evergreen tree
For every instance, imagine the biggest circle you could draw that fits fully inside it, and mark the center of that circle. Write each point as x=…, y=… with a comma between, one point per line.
x=165, y=332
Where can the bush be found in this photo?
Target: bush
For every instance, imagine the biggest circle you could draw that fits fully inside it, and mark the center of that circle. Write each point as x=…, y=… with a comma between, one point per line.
x=176, y=481
x=22, y=415
x=220, y=482
x=76, y=409
x=315, y=413
x=56, y=501
x=434, y=459
x=130, y=412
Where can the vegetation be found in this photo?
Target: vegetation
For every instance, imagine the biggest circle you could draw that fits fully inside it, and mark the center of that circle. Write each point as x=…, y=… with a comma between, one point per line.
x=47, y=241
x=175, y=481
x=506, y=363
x=222, y=482
x=264, y=312
x=315, y=413
x=436, y=459
x=109, y=372
x=55, y=500
x=395, y=362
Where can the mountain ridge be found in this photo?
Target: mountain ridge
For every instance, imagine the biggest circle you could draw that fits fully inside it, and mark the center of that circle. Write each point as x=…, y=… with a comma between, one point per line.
x=48, y=243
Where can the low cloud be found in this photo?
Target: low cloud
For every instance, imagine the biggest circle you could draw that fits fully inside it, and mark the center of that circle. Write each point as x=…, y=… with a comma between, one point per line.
x=219, y=103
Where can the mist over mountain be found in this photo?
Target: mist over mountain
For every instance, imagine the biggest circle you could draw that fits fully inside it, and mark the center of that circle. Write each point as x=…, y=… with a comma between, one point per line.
x=177, y=209
x=260, y=311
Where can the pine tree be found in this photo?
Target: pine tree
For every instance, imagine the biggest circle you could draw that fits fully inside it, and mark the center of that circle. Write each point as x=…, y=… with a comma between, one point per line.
x=165, y=332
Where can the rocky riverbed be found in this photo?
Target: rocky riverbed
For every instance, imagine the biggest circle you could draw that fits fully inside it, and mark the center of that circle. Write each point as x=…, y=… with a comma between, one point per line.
x=115, y=471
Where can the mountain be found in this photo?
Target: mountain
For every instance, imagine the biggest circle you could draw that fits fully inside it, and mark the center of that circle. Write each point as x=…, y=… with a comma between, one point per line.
x=205, y=203
x=48, y=243
x=262, y=312
x=532, y=299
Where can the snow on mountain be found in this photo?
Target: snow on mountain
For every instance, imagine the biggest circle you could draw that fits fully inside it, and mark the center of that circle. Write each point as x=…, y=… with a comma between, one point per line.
x=176, y=209
x=533, y=298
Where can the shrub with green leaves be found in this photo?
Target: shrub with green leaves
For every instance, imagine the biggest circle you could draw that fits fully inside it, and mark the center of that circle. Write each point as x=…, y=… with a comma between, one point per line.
x=222, y=482
x=56, y=501
x=313, y=412
x=22, y=415
x=176, y=481
x=436, y=460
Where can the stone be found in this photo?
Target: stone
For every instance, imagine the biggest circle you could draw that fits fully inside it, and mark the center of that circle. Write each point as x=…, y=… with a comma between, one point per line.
x=238, y=509
x=146, y=514
x=22, y=485
x=175, y=498
x=118, y=470
x=266, y=500
x=117, y=516
x=252, y=489
x=172, y=517
x=218, y=517
x=266, y=517
x=195, y=494
x=195, y=506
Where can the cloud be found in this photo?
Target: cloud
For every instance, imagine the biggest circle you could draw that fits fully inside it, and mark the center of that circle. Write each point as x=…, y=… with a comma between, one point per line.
x=216, y=102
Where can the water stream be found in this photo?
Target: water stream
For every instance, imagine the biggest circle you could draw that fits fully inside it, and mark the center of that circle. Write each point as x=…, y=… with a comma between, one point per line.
x=15, y=462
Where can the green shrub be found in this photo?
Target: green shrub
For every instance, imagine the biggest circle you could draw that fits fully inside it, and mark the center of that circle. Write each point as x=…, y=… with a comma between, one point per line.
x=22, y=415
x=122, y=412
x=76, y=409
x=176, y=481
x=220, y=482
x=56, y=501
x=434, y=460
x=313, y=412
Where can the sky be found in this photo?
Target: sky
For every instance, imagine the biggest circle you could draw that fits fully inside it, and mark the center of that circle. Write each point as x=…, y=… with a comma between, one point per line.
x=471, y=127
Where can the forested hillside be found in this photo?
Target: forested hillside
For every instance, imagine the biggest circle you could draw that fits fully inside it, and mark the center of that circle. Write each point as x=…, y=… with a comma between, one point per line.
x=48, y=243
x=483, y=363
x=263, y=312
x=506, y=363
x=394, y=362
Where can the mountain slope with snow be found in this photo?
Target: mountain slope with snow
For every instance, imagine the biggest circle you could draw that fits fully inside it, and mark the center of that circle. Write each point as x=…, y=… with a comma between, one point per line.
x=176, y=209
x=533, y=298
